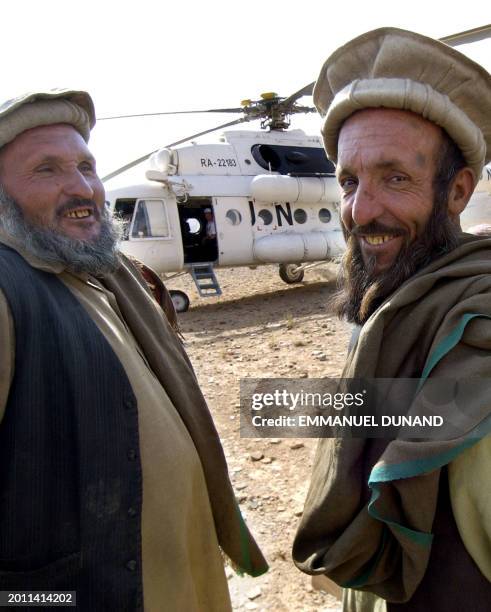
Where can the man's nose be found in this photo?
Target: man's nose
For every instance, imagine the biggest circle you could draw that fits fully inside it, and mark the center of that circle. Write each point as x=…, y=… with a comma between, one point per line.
x=77, y=185
x=366, y=206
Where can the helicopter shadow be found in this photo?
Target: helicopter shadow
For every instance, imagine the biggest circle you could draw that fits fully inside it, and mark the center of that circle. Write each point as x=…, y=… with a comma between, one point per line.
x=260, y=313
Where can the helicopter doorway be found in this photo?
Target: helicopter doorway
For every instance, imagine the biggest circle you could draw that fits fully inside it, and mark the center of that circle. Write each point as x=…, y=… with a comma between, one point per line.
x=198, y=229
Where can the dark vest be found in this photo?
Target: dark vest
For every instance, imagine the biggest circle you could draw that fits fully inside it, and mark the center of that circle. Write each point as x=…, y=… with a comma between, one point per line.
x=452, y=581
x=70, y=471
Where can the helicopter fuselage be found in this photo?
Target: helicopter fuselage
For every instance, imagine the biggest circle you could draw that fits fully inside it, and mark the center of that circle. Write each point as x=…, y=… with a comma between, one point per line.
x=273, y=198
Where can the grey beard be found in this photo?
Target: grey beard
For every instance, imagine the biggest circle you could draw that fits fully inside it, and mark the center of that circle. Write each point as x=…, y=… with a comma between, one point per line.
x=361, y=291
x=96, y=257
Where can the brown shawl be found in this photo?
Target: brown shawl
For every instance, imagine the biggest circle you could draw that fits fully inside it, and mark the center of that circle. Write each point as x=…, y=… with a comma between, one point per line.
x=171, y=365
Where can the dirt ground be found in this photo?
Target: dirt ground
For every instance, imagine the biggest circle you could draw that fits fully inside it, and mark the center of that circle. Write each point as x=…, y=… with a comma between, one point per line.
x=262, y=328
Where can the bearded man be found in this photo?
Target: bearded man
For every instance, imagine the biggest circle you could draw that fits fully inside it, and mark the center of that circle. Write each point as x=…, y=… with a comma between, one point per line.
x=113, y=482
x=406, y=524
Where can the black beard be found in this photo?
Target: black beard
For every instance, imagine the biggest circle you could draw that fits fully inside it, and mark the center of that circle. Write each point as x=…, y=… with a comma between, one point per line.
x=361, y=291
x=97, y=257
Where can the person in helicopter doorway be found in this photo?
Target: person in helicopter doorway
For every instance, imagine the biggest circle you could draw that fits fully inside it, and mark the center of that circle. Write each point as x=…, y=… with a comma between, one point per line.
x=405, y=524
x=209, y=240
x=113, y=481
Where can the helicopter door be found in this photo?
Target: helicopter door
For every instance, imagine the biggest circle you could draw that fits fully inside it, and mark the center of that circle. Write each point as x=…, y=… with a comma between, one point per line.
x=198, y=228
x=150, y=238
x=233, y=220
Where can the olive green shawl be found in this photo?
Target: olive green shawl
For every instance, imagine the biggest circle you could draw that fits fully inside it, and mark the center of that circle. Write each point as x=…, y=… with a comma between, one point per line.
x=370, y=507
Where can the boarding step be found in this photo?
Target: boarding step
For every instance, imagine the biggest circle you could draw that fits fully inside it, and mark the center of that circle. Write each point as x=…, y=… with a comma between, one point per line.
x=205, y=280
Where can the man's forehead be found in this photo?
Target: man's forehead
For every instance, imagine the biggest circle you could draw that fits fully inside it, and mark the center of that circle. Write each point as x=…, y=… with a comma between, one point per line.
x=379, y=120
x=46, y=140
x=392, y=129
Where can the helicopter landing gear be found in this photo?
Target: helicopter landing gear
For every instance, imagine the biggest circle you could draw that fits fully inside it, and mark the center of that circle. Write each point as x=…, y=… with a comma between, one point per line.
x=291, y=273
x=180, y=300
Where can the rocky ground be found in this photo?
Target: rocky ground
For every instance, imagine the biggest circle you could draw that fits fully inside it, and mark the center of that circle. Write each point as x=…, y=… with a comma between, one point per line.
x=262, y=328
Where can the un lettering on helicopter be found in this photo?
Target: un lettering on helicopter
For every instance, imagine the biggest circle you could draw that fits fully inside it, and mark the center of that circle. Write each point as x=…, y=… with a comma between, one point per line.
x=273, y=199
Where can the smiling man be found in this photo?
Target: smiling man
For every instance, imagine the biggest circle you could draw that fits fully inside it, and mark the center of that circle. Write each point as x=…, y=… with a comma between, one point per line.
x=398, y=212
x=113, y=481
x=406, y=524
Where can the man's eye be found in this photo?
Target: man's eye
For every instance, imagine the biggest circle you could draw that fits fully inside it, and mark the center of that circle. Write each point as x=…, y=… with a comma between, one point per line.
x=44, y=169
x=347, y=184
x=86, y=167
x=397, y=178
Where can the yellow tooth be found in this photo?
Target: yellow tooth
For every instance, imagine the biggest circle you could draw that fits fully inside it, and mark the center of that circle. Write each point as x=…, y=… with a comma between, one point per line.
x=375, y=240
x=78, y=214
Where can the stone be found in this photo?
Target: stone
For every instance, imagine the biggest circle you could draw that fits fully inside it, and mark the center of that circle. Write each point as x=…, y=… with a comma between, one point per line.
x=296, y=445
x=256, y=456
x=254, y=593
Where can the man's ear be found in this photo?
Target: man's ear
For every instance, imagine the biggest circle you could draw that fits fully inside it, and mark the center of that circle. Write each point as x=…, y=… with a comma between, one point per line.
x=461, y=190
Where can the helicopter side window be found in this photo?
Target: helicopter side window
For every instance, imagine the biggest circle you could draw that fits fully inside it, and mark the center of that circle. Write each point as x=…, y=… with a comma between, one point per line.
x=324, y=215
x=150, y=220
x=194, y=226
x=297, y=161
x=233, y=216
x=300, y=215
x=266, y=157
x=265, y=216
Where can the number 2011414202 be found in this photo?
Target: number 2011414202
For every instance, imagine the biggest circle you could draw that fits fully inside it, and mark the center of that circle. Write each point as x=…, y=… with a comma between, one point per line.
x=39, y=597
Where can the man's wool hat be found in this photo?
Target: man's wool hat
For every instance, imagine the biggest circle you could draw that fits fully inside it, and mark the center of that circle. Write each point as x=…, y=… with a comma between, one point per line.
x=394, y=68
x=46, y=108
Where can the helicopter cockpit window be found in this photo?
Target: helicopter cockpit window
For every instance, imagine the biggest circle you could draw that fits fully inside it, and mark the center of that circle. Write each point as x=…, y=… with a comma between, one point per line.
x=233, y=217
x=123, y=210
x=265, y=216
x=324, y=215
x=150, y=220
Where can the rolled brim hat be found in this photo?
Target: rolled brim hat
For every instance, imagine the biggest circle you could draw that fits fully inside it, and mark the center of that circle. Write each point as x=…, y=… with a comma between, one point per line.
x=393, y=68
x=49, y=107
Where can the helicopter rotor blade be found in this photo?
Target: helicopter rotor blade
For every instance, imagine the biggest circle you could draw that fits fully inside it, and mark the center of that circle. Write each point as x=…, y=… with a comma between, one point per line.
x=191, y=112
x=305, y=91
x=135, y=162
x=468, y=36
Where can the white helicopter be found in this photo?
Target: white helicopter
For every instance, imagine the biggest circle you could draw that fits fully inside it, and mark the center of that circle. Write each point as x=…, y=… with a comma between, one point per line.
x=251, y=198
